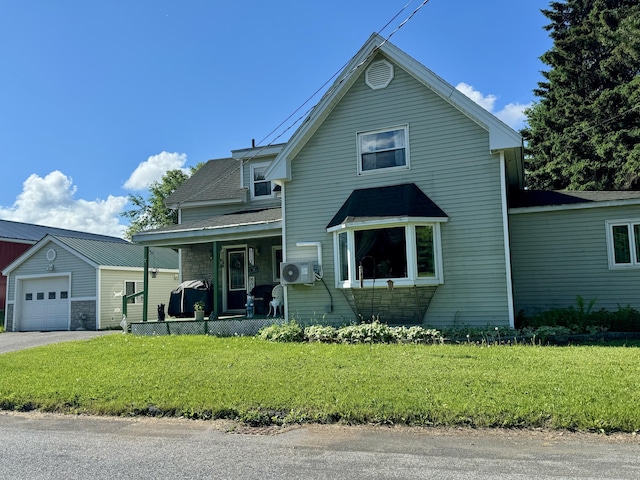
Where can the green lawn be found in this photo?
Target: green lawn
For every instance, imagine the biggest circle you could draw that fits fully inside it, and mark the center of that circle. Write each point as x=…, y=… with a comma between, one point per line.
x=584, y=388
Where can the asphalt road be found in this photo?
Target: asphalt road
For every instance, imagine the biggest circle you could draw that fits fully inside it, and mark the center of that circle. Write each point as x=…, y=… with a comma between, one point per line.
x=39, y=446
x=12, y=341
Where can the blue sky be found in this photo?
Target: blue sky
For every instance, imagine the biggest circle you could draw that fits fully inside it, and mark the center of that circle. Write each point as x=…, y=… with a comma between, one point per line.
x=100, y=98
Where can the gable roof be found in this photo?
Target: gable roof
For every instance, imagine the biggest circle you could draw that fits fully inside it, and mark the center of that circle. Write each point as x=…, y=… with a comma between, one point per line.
x=102, y=253
x=31, y=233
x=216, y=181
x=389, y=202
x=501, y=136
x=121, y=254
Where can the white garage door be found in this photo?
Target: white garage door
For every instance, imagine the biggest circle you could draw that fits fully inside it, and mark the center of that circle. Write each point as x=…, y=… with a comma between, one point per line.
x=45, y=304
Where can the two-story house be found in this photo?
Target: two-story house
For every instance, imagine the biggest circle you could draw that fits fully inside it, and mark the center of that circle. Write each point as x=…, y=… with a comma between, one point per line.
x=398, y=197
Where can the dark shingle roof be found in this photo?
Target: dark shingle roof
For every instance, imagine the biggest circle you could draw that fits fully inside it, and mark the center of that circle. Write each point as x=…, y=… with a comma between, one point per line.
x=29, y=232
x=215, y=180
x=545, y=198
x=121, y=254
x=405, y=200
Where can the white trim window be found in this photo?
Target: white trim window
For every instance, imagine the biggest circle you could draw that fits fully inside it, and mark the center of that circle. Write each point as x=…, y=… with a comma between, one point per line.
x=407, y=253
x=260, y=188
x=623, y=243
x=383, y=150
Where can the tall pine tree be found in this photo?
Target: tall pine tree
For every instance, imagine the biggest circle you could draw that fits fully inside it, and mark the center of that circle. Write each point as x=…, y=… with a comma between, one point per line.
x=584, y=132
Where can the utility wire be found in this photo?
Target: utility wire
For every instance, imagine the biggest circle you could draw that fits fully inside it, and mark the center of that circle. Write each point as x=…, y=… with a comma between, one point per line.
x=244, y=160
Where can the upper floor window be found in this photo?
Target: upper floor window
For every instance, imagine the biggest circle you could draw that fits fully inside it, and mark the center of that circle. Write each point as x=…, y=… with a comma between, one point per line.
x=260, y=187
x=383, y=149
x=623, y=241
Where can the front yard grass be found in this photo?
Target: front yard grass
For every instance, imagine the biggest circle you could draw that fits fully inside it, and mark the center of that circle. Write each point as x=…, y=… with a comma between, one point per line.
x=589, y=388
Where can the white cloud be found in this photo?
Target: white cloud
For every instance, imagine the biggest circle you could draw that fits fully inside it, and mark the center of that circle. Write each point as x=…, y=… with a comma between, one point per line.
x=50, y=201
x=487, y=102
x=153, y=169
x=512, y=114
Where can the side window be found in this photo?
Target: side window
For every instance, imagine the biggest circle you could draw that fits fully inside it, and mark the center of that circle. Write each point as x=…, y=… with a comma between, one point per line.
x=134, y=287
x=623, y=242
x=383, y=150
x=260, y=188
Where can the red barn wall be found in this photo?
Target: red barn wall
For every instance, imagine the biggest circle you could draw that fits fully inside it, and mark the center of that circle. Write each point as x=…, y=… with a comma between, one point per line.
x=9, y=251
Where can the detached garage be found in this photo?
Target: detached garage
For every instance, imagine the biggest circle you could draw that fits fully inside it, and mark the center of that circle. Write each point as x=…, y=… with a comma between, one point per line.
x=65, y=283
x=45, y=304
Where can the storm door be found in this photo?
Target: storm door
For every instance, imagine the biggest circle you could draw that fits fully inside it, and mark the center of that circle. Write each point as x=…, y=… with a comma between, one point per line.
x=236, y=279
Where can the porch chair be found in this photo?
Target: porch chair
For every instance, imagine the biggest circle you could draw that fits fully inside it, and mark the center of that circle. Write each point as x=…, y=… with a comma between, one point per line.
x=277, y=303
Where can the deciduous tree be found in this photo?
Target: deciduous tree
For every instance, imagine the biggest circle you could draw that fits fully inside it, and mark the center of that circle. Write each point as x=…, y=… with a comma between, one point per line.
x=151, y=211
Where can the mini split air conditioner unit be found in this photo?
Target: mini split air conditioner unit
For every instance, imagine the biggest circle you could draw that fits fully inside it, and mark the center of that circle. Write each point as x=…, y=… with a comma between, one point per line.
x=297, y=272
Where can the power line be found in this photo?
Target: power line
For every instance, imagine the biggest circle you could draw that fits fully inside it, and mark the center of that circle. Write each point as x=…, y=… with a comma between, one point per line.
x=244, y=160
x=326, y=83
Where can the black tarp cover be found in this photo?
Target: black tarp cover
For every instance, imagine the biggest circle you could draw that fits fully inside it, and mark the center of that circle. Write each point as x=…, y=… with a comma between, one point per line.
x=187, y=294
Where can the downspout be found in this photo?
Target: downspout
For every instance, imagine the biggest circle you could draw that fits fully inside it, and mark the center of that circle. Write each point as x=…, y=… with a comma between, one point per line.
x=145, y=288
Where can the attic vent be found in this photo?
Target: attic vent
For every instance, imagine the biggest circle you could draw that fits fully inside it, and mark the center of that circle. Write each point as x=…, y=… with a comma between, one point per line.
x=379, y=75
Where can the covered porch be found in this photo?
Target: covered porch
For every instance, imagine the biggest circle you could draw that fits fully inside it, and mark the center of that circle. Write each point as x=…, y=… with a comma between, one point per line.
x=236, y=254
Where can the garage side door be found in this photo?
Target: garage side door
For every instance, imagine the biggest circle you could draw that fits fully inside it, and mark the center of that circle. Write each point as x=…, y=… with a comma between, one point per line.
x=45, y=304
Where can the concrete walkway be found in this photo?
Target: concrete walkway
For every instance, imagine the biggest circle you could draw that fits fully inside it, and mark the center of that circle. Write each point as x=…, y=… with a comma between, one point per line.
x=12, y=341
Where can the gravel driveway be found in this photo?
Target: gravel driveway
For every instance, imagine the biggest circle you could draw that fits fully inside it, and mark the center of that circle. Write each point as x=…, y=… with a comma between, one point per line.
x=12, y=341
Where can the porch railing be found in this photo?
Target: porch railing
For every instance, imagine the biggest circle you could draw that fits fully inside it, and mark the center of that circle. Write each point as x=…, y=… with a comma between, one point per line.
x=219, y=328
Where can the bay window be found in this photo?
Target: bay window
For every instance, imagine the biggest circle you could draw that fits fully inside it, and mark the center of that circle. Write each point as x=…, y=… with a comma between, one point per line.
x=407, y=253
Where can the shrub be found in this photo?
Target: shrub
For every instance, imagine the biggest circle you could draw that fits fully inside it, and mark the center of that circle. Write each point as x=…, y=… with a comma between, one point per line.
x=290, y=331
x=374, y=332
x=489, y=334
x=583, y=319
x=321, y=333
x=417, y=334
x=542, y=334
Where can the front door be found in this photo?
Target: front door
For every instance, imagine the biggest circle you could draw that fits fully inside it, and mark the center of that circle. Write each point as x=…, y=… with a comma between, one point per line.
x=236, y=278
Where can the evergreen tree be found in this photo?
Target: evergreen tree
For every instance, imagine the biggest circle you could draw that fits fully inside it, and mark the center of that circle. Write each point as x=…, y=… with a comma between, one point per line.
x=152, y=212
x=584, y=132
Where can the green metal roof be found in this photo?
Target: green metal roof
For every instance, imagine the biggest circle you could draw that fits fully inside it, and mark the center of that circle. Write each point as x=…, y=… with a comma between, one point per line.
x=121, y=254
x=31, y=233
